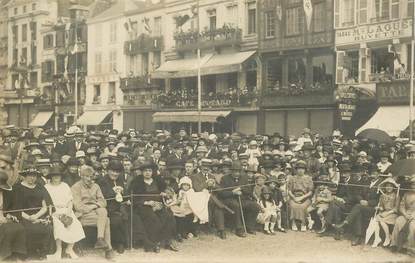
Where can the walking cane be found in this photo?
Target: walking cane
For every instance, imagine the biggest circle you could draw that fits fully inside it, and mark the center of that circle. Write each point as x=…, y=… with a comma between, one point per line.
x=131, y=221
x=242, y=213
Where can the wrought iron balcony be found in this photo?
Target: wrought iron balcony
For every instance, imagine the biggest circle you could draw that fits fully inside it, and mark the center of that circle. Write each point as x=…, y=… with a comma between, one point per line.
x=134, y=83
x=224, y=36
x=142, y=44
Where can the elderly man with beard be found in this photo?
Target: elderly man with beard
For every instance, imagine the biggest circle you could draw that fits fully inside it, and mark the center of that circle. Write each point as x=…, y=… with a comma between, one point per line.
x=234, y=183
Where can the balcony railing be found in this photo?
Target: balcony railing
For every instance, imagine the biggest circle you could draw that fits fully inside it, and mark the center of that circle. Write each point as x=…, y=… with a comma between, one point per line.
x=298, y=89
x=142, y=44
x=177, y=99
x=388, y=77
x=225, y=36
x=134, y=83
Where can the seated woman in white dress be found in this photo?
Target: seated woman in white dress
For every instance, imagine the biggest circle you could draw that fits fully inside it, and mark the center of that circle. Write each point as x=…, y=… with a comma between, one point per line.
x=66, y=227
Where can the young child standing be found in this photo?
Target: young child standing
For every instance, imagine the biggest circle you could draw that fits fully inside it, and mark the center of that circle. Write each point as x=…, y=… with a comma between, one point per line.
x=268, y=214
x=279, y=201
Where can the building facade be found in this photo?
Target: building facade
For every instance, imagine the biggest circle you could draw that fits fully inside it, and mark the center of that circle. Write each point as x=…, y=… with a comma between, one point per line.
x=296, y=49
x=226, y=34
x=3, y=58
x=372, y=40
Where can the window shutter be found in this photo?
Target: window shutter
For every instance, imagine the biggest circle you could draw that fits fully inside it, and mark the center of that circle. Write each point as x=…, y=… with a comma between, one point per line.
x=44, y=71
x=340, y=66
x=363, y=54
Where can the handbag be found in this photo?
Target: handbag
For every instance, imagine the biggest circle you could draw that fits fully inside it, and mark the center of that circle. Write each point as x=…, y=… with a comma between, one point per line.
x=66, y=220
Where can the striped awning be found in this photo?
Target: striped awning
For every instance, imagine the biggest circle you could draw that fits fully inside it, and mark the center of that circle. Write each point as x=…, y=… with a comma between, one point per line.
x=41, y=119
x=93, y=117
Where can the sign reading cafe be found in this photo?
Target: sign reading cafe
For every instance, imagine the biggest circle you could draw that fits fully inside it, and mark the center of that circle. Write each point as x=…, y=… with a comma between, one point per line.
x=374, y=32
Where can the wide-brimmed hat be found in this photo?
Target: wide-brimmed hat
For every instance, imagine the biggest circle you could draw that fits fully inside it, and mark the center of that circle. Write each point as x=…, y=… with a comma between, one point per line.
x=175, y=164
x=43, y=162
x=185, y=180
x=30, y=171
x=3, y=181
x=147, y=165
x=301, y=164
x=260, y=175
x=72, y=162
x=5, y=155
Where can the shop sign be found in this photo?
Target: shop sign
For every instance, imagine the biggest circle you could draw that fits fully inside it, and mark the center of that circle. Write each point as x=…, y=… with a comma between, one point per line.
x=347, y=99
x=395, y=92
x=374, y=32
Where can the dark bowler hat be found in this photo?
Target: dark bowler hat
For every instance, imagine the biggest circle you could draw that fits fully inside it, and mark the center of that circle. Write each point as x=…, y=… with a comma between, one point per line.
x=115, y=165
x=55, y=170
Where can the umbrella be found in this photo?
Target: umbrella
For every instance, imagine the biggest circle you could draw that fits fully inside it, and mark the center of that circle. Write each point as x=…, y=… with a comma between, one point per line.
x=375, y=135
x=405, y=167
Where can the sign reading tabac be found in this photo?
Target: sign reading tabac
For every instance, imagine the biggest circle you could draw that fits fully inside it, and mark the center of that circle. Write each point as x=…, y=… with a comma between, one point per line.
x=394, y=92
x=374, y=32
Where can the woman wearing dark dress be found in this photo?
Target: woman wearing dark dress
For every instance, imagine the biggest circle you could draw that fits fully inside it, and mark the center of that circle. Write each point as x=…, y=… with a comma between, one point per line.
x=158, y=221
x=34, y=198
x=12, y=234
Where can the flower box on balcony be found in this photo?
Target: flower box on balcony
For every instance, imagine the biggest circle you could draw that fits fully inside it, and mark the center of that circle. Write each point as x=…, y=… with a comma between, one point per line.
x=144, y=43
x=220, y=37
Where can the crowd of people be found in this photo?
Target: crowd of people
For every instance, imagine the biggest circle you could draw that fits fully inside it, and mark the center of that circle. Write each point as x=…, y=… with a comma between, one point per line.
x=153, y=190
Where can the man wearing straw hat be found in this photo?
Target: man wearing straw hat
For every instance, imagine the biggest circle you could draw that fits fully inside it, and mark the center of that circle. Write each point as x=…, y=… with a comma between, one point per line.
x=90, y=208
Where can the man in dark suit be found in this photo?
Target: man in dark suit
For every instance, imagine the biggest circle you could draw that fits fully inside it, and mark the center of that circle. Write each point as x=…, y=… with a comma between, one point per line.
x=77, y=144
x=199, y=179
x=236, y=189
x=361, y=212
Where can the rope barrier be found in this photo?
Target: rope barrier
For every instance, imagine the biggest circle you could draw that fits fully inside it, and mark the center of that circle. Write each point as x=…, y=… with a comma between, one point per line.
x=213, y=190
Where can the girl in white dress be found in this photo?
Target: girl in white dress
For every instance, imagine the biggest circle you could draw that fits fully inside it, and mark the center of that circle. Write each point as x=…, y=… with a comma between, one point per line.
x=66, y=227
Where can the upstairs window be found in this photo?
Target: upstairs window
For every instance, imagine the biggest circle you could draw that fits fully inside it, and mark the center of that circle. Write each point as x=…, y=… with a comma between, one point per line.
x=24, y=32
x=48, y=41
x=269, y=24
x=252, y=18
x=295, y=21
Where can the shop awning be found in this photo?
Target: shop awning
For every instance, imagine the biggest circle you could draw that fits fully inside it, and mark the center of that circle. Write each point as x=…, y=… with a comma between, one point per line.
x=226, y=63
x=179, y=68
x=210, y=64
x=391, y=119
x=189, y=116
x=93, y=117
x=41, y=119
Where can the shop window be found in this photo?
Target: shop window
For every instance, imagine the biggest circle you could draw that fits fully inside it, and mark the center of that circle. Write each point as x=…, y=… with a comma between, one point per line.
x=381, y=67
x=274, y=74
x=252, y=18
x=319, y=16
x=322, y=72
x=295, y=21
x=269, y=24
x=232, y=11
x=111, y=93
x=97, y=94
x=296, y=73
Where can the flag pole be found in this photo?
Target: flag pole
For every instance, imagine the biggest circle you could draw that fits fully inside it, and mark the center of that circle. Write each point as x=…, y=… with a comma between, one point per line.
x=76, y=75
x=199, y=78
x=411, y=99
